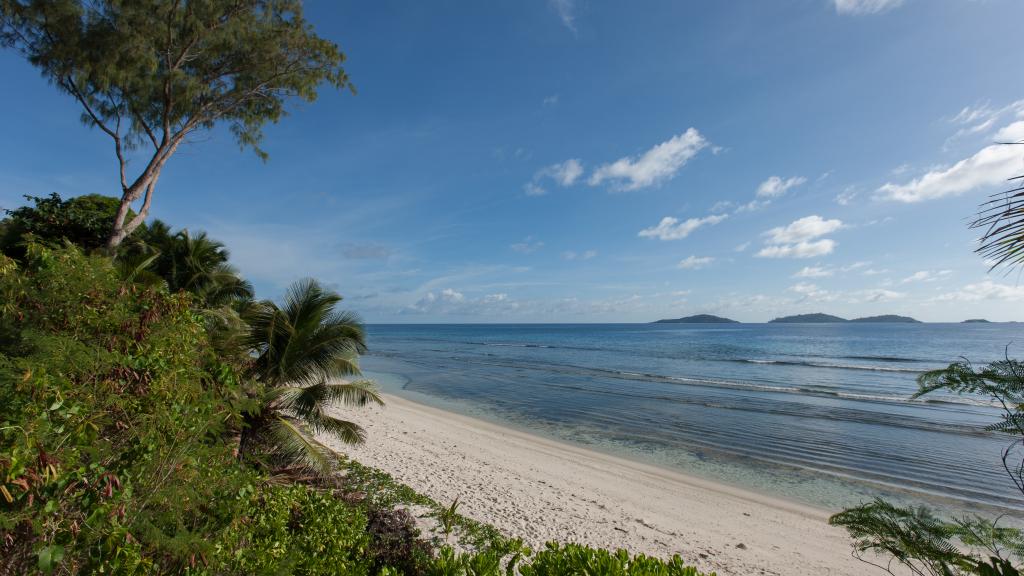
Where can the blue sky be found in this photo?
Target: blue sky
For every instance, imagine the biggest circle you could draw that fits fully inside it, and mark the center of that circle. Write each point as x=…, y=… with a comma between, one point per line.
x=586, y=161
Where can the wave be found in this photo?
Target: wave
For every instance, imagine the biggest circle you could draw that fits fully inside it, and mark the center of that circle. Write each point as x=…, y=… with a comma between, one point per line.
x=829, y=365
x=901, y=397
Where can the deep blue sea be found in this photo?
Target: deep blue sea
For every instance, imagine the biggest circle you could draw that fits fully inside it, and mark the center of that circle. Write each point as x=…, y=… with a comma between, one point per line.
x=818, y=413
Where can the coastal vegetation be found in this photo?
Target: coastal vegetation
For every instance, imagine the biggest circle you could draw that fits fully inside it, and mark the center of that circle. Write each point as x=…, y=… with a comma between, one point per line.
x=158, y=419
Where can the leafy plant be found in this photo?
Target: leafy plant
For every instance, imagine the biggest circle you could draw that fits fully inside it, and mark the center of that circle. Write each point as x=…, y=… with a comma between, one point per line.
x=292, y=530
x=919, y=541
x=304, y=349
x=395, y=542
x=82, y=220
x=448, y=517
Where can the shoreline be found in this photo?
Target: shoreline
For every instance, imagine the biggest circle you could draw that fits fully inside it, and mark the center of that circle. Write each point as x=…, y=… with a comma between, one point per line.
x=541, y=489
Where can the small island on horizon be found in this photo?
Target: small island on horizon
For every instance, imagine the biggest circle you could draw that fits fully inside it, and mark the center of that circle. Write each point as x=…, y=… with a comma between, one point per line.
x=698, y=319
x=976, y=321
x=820, y=318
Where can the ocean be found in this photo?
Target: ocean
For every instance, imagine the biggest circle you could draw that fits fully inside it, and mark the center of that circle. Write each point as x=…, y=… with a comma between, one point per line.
x=816, y=413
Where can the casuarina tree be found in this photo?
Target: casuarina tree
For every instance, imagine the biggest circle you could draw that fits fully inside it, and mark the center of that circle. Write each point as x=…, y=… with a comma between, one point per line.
x=150, y=73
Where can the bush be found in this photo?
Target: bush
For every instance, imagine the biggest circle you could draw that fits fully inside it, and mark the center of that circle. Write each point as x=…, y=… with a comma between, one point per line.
x=293, y=530
x=111, y=456
x=395, y=542
x=558, y=560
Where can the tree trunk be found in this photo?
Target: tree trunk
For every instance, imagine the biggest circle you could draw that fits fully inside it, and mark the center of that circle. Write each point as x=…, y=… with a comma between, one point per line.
x=122, y=229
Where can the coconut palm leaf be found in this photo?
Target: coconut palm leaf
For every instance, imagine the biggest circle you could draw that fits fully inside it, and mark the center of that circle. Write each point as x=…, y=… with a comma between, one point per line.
x=306, y=399
x=1002, y=219
x=288, y=442
x=301, y=349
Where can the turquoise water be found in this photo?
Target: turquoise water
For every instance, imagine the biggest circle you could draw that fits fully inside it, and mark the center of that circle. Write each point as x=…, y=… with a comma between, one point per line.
x=815, y=413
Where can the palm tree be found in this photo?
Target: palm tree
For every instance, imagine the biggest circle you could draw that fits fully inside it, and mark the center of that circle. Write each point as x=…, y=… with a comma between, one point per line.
x=195, y=264
x=303, y=350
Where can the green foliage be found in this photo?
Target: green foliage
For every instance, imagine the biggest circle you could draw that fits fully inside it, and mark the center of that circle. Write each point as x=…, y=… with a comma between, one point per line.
x=1002, y=219
x=302, y=350
x=83, y=220
x=448, y=517
x=915, y=538
x=195, y=264
x=292, y=530
x=111, y=456
x=151, y=72
x=558, y=560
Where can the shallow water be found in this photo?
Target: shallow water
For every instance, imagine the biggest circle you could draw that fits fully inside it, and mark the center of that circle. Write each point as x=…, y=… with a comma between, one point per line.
x=817, y=413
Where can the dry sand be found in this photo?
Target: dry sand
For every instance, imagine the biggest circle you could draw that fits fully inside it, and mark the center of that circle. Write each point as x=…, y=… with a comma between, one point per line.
x=541, y=490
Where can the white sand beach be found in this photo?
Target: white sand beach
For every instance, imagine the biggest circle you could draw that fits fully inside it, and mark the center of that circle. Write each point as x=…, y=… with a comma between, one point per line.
x=541, y=490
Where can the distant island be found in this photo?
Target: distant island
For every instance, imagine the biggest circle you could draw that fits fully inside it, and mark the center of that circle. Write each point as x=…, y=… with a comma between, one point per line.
x=976, y=321
x=888, y=318
x=817, y=318
x=698, y=319
x=820, y=318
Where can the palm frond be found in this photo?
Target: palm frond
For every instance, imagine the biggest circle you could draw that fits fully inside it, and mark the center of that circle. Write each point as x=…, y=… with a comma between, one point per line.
x=296, y=448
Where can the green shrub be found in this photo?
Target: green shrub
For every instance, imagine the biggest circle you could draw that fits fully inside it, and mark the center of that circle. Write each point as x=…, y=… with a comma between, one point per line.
x=293, y=530
x=111, y=449
x=558, y=560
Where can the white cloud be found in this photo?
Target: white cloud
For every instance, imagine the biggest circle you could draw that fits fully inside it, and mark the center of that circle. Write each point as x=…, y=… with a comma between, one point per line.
x=534, y=189
x=847, y=196
x=573, y=255
x=695, y=262
x=798, y=250
x=566, y=10
x=527, y=246
x=774, y=187
x=879, y=295
x=926, y=276
x=722, y=206
x=742, y=247
x=809, y=291
x=992, y=165
x=806, y=228
x=563, y=173
x=859, y=7
x=814, y=272
x=657, y=165
x=672, y=229
x=986, y=290
x=550, y=100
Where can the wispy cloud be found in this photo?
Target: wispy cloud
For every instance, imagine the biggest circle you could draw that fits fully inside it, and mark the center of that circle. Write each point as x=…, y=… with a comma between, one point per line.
x=695, y=262
x=563, y=173
x=527, y=246
x=991, y=165
x=986, y=290
x=672, y=229
x=774, y=186
x=814, y=272
x=657, y=165
x=861, y=7
x=798, y=239
x=926, y=276
x=566, y=10
x=550, y=100
x=573, y=255
x=769, y=190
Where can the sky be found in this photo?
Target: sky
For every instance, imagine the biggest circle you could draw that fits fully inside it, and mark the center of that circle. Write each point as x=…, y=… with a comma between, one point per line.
x=599, y=161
